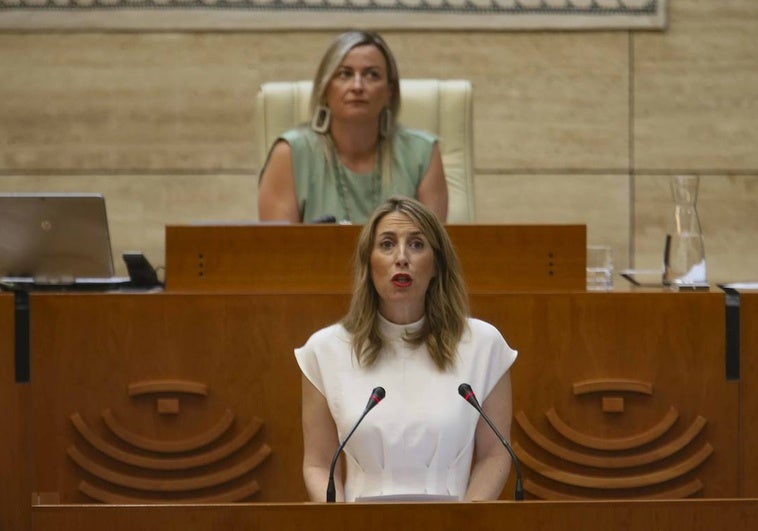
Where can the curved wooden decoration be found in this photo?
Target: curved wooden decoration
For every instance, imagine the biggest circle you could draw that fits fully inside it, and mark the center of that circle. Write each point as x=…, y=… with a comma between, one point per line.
x=167, y=386
x=624, y=443
x=623, y=482
x=544, y=493
x=625, y=461
x=601, y=385
x=236, y=495
x=180, y=463
x=169, y=485
x=684, y=491
x=154, y=445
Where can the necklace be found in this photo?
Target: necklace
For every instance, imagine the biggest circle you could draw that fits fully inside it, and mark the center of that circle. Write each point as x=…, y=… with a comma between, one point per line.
x=341, y=180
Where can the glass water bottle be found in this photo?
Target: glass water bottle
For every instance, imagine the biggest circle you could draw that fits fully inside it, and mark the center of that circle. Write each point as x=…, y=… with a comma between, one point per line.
x=684, y=255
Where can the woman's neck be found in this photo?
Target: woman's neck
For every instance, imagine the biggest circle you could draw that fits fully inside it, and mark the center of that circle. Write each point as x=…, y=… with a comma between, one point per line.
x=356, y=145
x=401, y=313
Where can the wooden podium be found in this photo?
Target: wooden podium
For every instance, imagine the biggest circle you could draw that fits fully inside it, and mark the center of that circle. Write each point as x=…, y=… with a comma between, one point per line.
x=138, y=398
x=692, y=515
x=319, y=258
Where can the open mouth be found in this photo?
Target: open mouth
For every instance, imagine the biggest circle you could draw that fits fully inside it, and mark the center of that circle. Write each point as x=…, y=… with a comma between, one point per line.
x=402, y=280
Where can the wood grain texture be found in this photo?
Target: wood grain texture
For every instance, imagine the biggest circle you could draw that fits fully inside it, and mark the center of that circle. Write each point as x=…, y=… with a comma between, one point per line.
x=663, y=515
x=319, y=258
x=15, y=459
x=656, y=337
x=749, y=398
x=87, y=348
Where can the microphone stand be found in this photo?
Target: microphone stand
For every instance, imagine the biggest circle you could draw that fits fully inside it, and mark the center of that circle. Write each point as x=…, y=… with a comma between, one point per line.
x=468, y=395
x=331, y=491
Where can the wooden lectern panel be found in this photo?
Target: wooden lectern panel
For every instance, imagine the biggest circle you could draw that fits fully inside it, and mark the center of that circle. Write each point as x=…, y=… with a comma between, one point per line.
x=658, y=357
x=139, y=397
x=158, y=397
x=319, y=258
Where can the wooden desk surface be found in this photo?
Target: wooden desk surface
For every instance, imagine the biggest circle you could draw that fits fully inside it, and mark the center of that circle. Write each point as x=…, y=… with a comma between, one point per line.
x=690, y=515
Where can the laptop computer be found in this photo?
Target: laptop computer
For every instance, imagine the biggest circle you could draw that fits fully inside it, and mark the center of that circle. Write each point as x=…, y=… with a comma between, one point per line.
x=55, y=239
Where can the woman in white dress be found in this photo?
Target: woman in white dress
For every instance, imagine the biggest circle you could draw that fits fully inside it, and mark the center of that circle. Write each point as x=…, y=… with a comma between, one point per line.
x=408, y=331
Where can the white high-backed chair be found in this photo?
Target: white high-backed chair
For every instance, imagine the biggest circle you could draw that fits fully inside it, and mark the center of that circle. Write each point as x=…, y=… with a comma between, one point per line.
x=442, y=107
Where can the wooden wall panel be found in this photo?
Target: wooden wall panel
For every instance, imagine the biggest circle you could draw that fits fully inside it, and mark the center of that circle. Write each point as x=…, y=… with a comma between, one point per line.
x=15, y=478
x=87, y=349
x=749, y=393
x=319, y=258
x=658, y=338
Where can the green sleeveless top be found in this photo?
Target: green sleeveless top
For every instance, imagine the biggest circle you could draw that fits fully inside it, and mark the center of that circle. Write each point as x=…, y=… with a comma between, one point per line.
x=320, y=192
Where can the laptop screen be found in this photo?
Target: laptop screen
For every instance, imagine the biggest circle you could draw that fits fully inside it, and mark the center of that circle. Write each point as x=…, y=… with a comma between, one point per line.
x=54, y=237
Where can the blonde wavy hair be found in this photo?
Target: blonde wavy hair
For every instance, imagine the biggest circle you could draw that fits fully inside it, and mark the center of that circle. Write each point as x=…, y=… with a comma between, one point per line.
x=446, y=303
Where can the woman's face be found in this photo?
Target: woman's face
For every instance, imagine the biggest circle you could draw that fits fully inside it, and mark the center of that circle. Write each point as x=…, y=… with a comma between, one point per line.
x=359, y=88
x=402, y=266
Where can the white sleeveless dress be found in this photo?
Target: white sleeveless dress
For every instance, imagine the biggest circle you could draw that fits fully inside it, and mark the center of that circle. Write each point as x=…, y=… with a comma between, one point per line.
x=420, y=439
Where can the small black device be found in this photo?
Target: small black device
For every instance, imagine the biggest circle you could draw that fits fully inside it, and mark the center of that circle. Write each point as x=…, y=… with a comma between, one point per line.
x=141, y=273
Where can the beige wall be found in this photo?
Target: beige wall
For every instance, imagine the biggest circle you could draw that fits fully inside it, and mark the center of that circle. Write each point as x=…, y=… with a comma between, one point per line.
x=579, y=127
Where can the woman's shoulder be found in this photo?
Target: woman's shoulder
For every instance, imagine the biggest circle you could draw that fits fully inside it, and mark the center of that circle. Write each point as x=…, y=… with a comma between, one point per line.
x=479, y=330
x=327, y=348
x=306, y=151
x=300, y=134
x=412, y=150
x=481, y=326
x=410, y=135
x=488, y=345
x=326, y=336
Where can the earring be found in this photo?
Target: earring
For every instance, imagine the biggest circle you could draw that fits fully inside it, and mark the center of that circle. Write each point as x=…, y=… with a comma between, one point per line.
x=321, y=119
x=385, y=122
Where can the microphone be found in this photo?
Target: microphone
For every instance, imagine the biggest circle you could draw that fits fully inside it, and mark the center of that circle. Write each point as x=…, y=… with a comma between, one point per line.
x=376, y=396
x=468, y=395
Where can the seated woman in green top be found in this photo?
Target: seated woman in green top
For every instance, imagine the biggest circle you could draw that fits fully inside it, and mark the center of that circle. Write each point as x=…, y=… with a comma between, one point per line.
x=353, y=155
